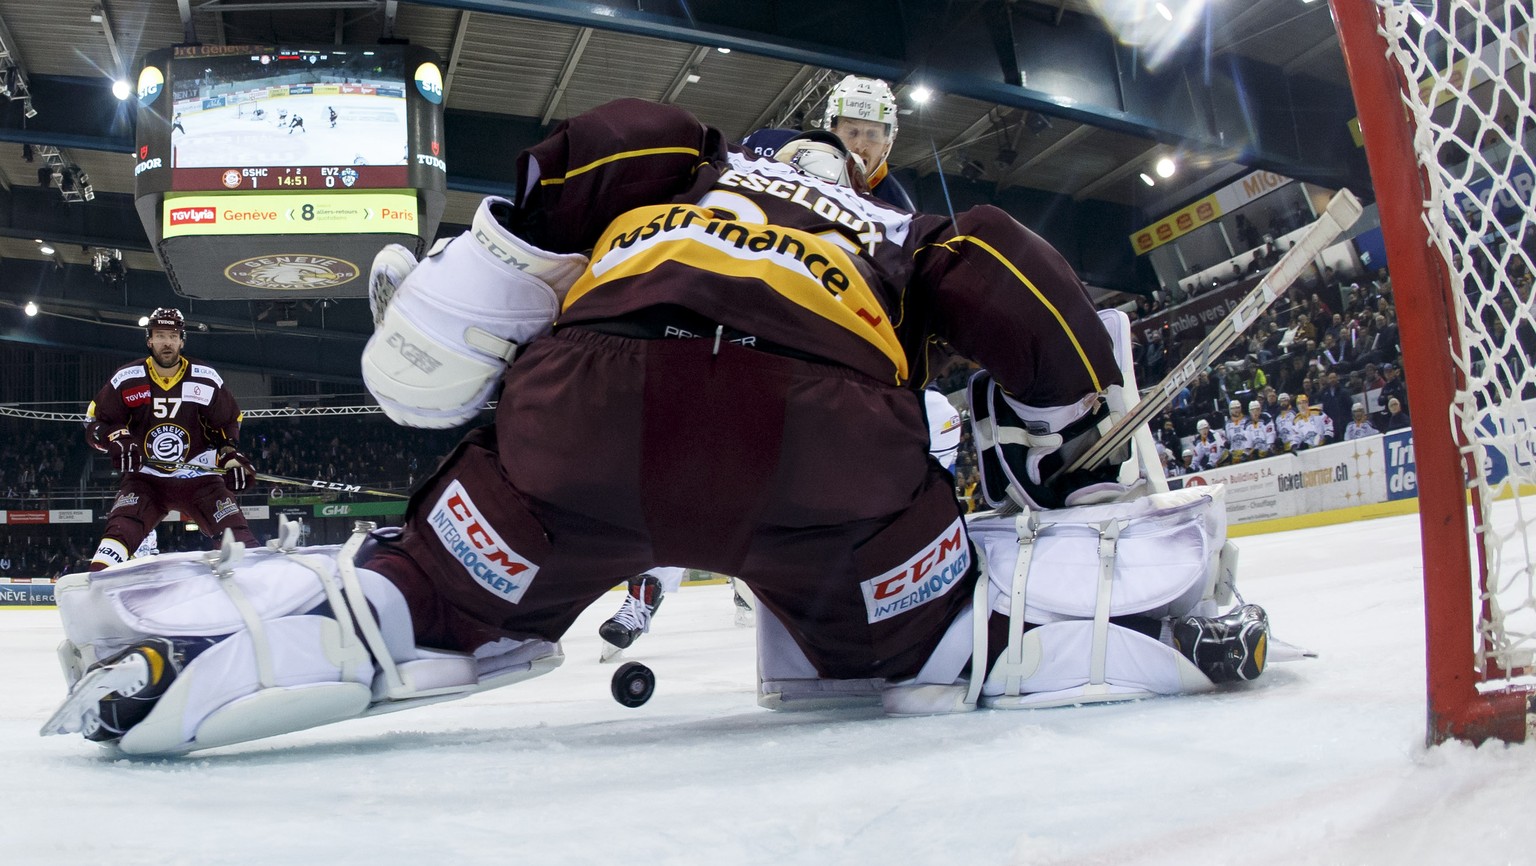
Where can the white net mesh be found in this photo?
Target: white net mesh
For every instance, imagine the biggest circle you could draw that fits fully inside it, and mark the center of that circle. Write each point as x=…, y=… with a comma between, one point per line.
x=1476, y=132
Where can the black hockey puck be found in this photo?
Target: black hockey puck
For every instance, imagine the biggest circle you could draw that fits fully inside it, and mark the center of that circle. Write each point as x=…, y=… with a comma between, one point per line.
x=633, y=684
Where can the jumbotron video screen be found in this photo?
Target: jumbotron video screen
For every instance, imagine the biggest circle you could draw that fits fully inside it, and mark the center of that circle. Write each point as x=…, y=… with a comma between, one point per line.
x=272, y=170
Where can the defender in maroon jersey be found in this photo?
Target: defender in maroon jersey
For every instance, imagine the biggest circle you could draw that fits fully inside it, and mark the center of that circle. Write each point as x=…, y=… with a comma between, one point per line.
x=172, y=429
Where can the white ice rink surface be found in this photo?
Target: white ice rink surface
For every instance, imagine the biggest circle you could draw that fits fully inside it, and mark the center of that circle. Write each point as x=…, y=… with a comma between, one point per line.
x=1319, y=761
x=369, y=130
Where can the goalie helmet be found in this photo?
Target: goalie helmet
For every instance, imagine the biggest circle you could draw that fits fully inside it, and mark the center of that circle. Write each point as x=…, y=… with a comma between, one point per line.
x=862, y=99
x=166, y=317
x=822, y=154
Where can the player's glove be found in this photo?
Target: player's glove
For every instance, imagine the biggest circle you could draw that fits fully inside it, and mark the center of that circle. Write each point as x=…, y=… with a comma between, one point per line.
x=238, y=470
x=123, y=450
x=447, y=327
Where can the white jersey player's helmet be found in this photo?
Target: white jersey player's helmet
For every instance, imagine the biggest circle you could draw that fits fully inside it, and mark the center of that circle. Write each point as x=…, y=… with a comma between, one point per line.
x=862, y=99
x=822, y=154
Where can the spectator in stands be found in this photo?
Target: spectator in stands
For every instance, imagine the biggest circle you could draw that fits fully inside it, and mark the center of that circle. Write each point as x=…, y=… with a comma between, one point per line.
x=1207, y=396
x=1209, y=447
x=1392, y=385
x=1168, y=437
x=1396, y=416
x=1335, y=401
x=1305, y=329
x=1271, y=401
x=1359, y=425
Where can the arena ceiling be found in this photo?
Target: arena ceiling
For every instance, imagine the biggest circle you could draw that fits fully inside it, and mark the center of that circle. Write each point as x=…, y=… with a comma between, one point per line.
x=1020, y=97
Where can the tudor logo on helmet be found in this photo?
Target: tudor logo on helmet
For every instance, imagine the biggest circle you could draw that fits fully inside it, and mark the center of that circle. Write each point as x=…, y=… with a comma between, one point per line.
x=166, y=317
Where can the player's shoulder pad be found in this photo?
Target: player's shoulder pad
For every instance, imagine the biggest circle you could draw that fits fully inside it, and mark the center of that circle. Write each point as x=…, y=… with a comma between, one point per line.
x=128, y=372
x=202, y=371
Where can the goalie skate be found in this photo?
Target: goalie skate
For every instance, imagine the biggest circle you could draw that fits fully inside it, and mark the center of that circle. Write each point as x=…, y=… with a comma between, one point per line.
x=1226, y=648
x=119, y=692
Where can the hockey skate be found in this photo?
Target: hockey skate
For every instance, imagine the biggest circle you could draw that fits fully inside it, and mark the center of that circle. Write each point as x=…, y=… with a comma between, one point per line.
x=1226, y=648
x=634, y=616
x=117, y=693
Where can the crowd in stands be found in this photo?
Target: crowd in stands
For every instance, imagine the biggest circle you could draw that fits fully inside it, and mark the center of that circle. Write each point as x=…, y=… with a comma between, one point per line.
x=1306, y=375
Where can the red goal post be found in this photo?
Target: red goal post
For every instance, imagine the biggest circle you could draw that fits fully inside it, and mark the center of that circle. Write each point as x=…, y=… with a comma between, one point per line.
x=1444, y=91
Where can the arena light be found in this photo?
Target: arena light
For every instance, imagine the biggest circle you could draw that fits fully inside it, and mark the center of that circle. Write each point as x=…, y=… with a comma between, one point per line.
x=723, y=50
x=121, y=89
x=921, y=94
x=143, y=321
x=31, y=308
x=1147, y=179
x=44, y=248
x=1165, y=12
x=1166, y=167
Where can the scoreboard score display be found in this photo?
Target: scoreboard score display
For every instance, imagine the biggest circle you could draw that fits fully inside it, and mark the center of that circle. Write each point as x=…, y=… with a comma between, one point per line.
x=274, y=172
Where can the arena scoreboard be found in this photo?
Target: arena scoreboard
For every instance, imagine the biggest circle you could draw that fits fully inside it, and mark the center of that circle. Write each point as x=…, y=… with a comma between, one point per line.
x=267, y=172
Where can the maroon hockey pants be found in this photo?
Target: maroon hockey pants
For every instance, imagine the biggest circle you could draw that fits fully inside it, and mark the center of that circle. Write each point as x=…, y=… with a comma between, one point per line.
x=810, y=482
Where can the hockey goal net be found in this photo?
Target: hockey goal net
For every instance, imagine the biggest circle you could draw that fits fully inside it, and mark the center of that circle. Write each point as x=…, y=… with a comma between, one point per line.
x=1444, y=90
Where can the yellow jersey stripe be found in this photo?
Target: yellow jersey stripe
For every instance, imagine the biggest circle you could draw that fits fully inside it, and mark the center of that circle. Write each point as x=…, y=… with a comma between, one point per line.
x=165, y=383
x=1060, y=319
x=628, y=154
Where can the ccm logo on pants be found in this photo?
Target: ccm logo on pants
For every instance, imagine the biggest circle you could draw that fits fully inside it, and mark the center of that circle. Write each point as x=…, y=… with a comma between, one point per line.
x=931, y=573
x=465, y=533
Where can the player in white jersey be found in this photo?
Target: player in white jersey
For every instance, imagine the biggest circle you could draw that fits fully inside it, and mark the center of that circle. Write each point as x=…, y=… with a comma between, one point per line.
x=1209, y=447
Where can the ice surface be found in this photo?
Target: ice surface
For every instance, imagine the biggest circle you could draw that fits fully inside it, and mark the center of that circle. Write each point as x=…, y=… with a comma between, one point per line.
x=1320, y=761
x=370, y=130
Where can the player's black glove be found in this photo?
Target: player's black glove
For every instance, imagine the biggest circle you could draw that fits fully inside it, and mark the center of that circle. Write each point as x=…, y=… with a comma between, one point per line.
x=123, y=450
x=239, y=472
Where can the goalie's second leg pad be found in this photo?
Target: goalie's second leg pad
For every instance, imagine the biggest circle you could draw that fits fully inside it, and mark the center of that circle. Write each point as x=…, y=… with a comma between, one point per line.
x=1058, y=665
x=1059, y=577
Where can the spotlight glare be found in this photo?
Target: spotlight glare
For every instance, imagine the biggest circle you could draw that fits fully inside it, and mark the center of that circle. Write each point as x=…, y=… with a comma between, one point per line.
x=45, y=250
x=1147, y=179
x=921, y=94
x=143, y=320
x=31, y=308
x=1166, y=167
x=1163, y=11
x=121, y=90
x=723, y=50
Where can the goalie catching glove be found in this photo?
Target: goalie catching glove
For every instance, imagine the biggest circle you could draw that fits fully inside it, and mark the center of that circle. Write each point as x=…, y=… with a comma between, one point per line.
x=447, y=327
x=238, y=470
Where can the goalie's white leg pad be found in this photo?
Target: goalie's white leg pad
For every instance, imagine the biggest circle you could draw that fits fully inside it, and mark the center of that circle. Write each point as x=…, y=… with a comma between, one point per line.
x=786, y=679
x=173, y=595
x=319, y=676
x=1057, y=668
x=1168, y=556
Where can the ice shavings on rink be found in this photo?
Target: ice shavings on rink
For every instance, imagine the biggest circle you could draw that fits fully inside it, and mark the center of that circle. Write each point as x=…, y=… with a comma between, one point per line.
x=1318, y=762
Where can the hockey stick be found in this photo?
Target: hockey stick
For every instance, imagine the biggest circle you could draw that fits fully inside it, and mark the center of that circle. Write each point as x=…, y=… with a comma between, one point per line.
x=1340, y=214
x=318, y=484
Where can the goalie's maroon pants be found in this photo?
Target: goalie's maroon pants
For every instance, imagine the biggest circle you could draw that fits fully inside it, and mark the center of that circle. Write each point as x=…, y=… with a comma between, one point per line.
x=611, y=455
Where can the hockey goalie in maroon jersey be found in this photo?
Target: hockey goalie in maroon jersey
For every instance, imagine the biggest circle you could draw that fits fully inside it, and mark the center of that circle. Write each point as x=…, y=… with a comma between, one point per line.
x=711, y=360
x=173, y=430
